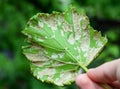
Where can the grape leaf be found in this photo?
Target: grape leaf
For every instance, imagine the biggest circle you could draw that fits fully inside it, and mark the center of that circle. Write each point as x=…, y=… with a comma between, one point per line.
x=61, y=44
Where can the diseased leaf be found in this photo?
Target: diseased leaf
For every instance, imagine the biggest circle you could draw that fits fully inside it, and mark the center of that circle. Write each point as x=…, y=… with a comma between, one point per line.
x=61, y=44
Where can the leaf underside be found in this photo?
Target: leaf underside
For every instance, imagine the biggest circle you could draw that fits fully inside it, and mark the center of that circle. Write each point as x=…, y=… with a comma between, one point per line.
x=60, y=44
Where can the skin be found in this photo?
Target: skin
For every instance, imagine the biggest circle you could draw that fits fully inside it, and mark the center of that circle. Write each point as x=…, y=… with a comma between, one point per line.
x=107, y=73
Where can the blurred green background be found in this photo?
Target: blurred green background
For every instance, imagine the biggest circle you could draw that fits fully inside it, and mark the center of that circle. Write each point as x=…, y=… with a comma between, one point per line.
x=14, y=68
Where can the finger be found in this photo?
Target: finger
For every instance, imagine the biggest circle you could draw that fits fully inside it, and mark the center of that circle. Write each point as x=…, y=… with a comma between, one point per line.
x=116, y=84
x=105, y=73
x=118, y=72
x=84, y=82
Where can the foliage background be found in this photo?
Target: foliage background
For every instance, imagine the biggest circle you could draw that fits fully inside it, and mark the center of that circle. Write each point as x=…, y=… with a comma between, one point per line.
x=14, y=68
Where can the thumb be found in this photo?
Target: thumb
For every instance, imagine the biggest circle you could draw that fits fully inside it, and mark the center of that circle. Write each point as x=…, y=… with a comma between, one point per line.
x=105, y=73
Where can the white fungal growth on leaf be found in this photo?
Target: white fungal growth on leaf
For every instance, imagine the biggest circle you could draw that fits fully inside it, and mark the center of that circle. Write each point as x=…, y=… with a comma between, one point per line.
x=61, y=55
x=40, y=24
x=54, y=56
x=60, y=45
x=71, y=39
x=62, y=32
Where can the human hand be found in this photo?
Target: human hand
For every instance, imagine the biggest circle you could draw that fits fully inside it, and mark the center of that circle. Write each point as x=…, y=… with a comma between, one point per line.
x=107, y=73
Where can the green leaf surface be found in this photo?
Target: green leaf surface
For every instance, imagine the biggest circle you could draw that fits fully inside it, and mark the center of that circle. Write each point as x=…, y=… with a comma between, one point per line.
x=61, y=44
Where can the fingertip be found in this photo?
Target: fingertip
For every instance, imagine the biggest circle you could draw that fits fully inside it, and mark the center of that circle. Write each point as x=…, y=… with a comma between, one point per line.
x=95, y=75
x=91, y=73
x=81, y=80
x=84, y=82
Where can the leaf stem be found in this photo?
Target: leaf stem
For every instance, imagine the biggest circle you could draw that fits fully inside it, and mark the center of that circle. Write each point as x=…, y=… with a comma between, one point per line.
x=83, y=67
